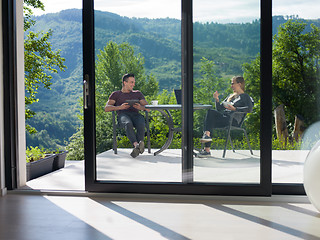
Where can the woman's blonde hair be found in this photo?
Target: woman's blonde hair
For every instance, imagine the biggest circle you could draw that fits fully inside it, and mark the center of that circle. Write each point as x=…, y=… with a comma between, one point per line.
x=240, y=80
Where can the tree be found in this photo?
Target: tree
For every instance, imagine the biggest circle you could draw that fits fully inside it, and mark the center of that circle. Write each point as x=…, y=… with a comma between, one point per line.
x=252, y=76
x=296, y=77
x=113, y=61
x=295, y=71
x=208, y=83
x=39, y=59
x=205, y=85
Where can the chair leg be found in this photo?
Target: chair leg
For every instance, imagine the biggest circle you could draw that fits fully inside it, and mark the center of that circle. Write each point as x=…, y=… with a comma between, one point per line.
x=245, y=133
x=148, y=132
x=114, y=126
x=225, y=146
x=231, y=143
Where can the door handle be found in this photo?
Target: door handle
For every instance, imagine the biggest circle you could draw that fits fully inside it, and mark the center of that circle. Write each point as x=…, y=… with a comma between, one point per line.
x=86, y=91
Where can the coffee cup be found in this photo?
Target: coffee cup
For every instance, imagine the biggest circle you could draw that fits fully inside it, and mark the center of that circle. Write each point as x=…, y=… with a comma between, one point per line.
x=226, y=104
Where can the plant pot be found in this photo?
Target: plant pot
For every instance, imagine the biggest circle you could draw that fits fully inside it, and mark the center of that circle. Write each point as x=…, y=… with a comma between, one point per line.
x=40, y=167
x=59, y=160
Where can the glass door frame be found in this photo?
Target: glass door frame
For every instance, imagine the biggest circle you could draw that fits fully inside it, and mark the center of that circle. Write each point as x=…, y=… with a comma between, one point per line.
x=186, y=186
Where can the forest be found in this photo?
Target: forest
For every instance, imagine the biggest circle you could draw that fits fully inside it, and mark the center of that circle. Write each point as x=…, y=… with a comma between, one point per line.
x=220, y=51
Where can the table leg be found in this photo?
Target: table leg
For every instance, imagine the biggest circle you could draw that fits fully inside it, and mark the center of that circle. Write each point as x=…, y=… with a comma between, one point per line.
x=169, y=119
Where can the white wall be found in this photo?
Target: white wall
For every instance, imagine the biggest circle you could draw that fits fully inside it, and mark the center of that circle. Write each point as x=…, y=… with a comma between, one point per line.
x=2, y=178
x=21, y=151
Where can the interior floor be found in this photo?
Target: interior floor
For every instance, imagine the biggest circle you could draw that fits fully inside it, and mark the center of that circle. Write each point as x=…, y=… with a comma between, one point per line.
x=124, y=216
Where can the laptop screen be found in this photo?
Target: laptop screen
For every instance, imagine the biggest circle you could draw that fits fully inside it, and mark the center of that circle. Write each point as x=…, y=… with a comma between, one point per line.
x=177, y=92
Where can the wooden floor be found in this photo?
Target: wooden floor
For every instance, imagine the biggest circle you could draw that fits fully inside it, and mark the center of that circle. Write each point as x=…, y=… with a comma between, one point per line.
x=115, y=216
x=56, y=206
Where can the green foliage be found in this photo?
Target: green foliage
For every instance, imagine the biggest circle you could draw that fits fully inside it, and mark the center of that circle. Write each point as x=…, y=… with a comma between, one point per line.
x=39, y=60
x=278, y=145
x=252, y=121
x=34, y=154
x=252, y=76
x=205, y=85
x=208, y=83
x=219, y=52
x=28, y=21
x=158, y=124
x=295, y=69
x=240, y=142
x=75, y=146
x=113, y=61
x=158, y=40
x=103, y=132
x=53, y=130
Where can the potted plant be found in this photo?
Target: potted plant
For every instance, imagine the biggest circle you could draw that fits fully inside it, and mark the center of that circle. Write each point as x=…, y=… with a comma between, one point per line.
x=38, y=162
x=60, y=159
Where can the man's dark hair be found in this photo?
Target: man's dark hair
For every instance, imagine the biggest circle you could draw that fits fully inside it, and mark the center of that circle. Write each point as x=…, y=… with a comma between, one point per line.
x=126, y=76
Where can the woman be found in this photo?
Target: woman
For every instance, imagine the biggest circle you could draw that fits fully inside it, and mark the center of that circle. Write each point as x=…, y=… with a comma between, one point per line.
x=238, y=101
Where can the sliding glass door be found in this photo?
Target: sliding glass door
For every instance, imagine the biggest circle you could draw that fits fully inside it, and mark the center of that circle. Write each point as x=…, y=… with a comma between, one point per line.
x=295, y=90
x=177, y=59
x=226, y=46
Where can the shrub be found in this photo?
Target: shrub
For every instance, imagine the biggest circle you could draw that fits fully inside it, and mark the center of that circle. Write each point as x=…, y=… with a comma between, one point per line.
x=34, y=154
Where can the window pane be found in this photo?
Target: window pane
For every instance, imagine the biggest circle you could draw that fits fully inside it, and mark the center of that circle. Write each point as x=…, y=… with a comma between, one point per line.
x=227, y=44
x=295, y=86
x=143, y=39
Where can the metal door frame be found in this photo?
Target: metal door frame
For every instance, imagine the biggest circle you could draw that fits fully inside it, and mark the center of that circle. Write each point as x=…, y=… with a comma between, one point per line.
x=186, y=186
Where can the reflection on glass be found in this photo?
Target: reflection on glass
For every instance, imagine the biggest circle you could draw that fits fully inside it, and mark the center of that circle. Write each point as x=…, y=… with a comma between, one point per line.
x=226, y=76
x=295, y=87
x=130, y=40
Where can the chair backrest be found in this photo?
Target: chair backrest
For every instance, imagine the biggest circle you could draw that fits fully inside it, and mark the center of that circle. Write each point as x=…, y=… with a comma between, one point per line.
x=235, y=116
x=177, y=93
x=242, y=120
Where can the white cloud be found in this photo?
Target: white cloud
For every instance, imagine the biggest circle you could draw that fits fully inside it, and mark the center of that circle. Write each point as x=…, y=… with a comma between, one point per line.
x=52, y=6
x=226, y=10
x=308, y=9
x=142, y=8
x=204, y=10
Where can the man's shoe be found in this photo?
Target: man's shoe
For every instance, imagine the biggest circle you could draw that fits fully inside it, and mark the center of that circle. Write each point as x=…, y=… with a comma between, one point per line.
x=141, y=146
x=203, y=154
x=135, y=152
x=205, y=139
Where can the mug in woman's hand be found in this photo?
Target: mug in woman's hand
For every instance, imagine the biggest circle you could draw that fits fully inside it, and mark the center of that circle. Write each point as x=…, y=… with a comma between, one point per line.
x=226, y=104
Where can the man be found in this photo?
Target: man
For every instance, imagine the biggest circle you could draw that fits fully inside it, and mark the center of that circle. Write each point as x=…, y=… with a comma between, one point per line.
x=128, y=113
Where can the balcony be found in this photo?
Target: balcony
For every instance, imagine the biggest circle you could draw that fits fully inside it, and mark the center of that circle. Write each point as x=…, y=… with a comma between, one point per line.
x=238, y=167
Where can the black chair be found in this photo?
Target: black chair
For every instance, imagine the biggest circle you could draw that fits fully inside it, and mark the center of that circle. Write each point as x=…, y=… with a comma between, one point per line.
x=115, y=125
x=231, y=127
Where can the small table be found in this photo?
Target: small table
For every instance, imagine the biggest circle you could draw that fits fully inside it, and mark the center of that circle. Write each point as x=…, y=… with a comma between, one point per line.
x=165, y=111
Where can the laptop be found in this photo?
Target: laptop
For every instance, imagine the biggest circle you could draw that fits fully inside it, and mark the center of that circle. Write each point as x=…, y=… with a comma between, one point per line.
x=177, y=92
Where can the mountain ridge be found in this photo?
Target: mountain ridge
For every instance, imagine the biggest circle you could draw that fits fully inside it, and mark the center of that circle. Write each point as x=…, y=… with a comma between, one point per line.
x=159, y=42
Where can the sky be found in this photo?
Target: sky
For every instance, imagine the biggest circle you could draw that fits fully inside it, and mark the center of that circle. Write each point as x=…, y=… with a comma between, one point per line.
x=222, y=11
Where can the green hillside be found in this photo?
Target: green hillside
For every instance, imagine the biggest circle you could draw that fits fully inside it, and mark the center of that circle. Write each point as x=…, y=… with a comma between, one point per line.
x=157, y=40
